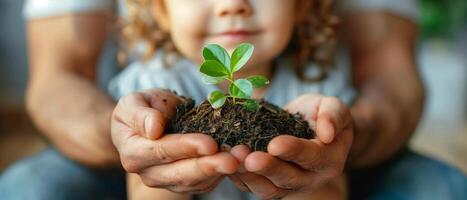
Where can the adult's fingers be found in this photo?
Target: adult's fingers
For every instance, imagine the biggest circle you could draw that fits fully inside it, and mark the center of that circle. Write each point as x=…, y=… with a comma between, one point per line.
x=282, y=174
x=328, y=116
x=308, y=106
x=240, y=152
x=265, y=177
x=333, y=117
x=262, y=187
x=190, y=172
x=138, y=153
x=313, y=155
x=146, y=112
x=308, y=154
x=201, y=188
x=135, y=112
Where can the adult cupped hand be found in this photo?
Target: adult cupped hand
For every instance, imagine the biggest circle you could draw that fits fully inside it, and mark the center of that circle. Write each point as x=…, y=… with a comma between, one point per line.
x=295, y=165
x=183, y=163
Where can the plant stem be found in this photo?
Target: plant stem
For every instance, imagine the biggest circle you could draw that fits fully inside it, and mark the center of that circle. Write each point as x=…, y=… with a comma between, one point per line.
x=231, y=80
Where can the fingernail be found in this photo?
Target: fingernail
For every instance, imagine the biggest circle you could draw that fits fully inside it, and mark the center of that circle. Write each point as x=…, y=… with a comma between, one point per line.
x=148, y=126
x=226, y=147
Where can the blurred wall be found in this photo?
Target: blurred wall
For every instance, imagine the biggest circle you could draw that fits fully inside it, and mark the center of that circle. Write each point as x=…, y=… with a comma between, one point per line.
x=13, y=60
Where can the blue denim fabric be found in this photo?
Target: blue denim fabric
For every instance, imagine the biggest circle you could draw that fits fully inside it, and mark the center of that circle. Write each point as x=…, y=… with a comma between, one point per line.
x=50, y=176
x=418, y=177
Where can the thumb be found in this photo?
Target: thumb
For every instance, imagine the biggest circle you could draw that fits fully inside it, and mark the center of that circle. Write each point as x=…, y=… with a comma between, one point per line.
x=307, y=105
x=146, y=112
x=333, y=118
x=135, y=114
x=164, y=101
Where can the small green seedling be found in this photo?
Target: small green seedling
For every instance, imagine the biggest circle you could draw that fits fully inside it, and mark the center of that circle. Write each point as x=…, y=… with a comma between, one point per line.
x=219, y=66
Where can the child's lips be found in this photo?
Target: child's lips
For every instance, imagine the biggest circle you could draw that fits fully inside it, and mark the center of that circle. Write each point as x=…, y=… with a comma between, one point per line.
x=236, y=36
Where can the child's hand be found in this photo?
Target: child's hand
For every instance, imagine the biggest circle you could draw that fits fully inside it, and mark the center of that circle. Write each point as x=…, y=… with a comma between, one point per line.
x=177, y=162
x=295, y=164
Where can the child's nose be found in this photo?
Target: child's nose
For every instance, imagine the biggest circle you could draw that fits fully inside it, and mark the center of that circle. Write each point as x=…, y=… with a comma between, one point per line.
x=233, y=7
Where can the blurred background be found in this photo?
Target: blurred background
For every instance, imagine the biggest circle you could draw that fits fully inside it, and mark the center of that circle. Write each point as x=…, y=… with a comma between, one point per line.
x=442, y=58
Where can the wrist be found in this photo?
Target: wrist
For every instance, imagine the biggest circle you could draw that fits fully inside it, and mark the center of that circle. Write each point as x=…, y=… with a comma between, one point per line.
x=363, y=116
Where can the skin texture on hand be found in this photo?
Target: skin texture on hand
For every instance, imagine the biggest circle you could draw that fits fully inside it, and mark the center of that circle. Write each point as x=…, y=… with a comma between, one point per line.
x=295, y=165
x=183, y=163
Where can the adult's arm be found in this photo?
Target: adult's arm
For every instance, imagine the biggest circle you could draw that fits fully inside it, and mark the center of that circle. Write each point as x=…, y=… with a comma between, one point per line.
x=382, y=48
x=62, y=97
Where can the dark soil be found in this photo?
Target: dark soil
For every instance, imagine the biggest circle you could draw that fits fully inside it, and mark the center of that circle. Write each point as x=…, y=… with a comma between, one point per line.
x=233, y=125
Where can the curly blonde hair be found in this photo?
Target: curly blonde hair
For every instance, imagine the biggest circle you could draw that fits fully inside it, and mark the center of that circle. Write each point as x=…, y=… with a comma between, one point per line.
x=314, y=37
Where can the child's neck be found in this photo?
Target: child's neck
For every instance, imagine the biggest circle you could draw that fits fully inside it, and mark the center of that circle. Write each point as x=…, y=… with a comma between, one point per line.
x=264, y=70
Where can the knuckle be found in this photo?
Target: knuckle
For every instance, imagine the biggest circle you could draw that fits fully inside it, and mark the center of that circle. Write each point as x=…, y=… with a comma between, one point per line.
x=290, y=183
x=187, y=149
x=161, y=154
x=178, y=180
x=182, y=181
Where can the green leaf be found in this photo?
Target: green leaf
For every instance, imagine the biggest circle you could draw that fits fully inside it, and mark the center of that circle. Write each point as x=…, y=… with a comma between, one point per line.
x=258, y=81
x=241, y=88
x=216, y=52
x=240, y=56
x=216, y=99
x=251, y=105
x=209, y=80
x=213, y=68
x=233, y=90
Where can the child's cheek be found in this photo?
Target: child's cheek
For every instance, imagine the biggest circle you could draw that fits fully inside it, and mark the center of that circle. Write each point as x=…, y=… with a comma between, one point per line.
x=188, y=36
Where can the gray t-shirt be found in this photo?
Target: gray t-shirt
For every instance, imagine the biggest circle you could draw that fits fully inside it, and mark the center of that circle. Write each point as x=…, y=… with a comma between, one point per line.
x=184, y=78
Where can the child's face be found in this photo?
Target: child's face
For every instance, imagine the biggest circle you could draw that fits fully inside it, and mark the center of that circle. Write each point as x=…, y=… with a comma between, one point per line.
x=267, y=24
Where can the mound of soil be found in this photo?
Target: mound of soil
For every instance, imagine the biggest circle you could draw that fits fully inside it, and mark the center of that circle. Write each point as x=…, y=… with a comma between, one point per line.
x=233, y=125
